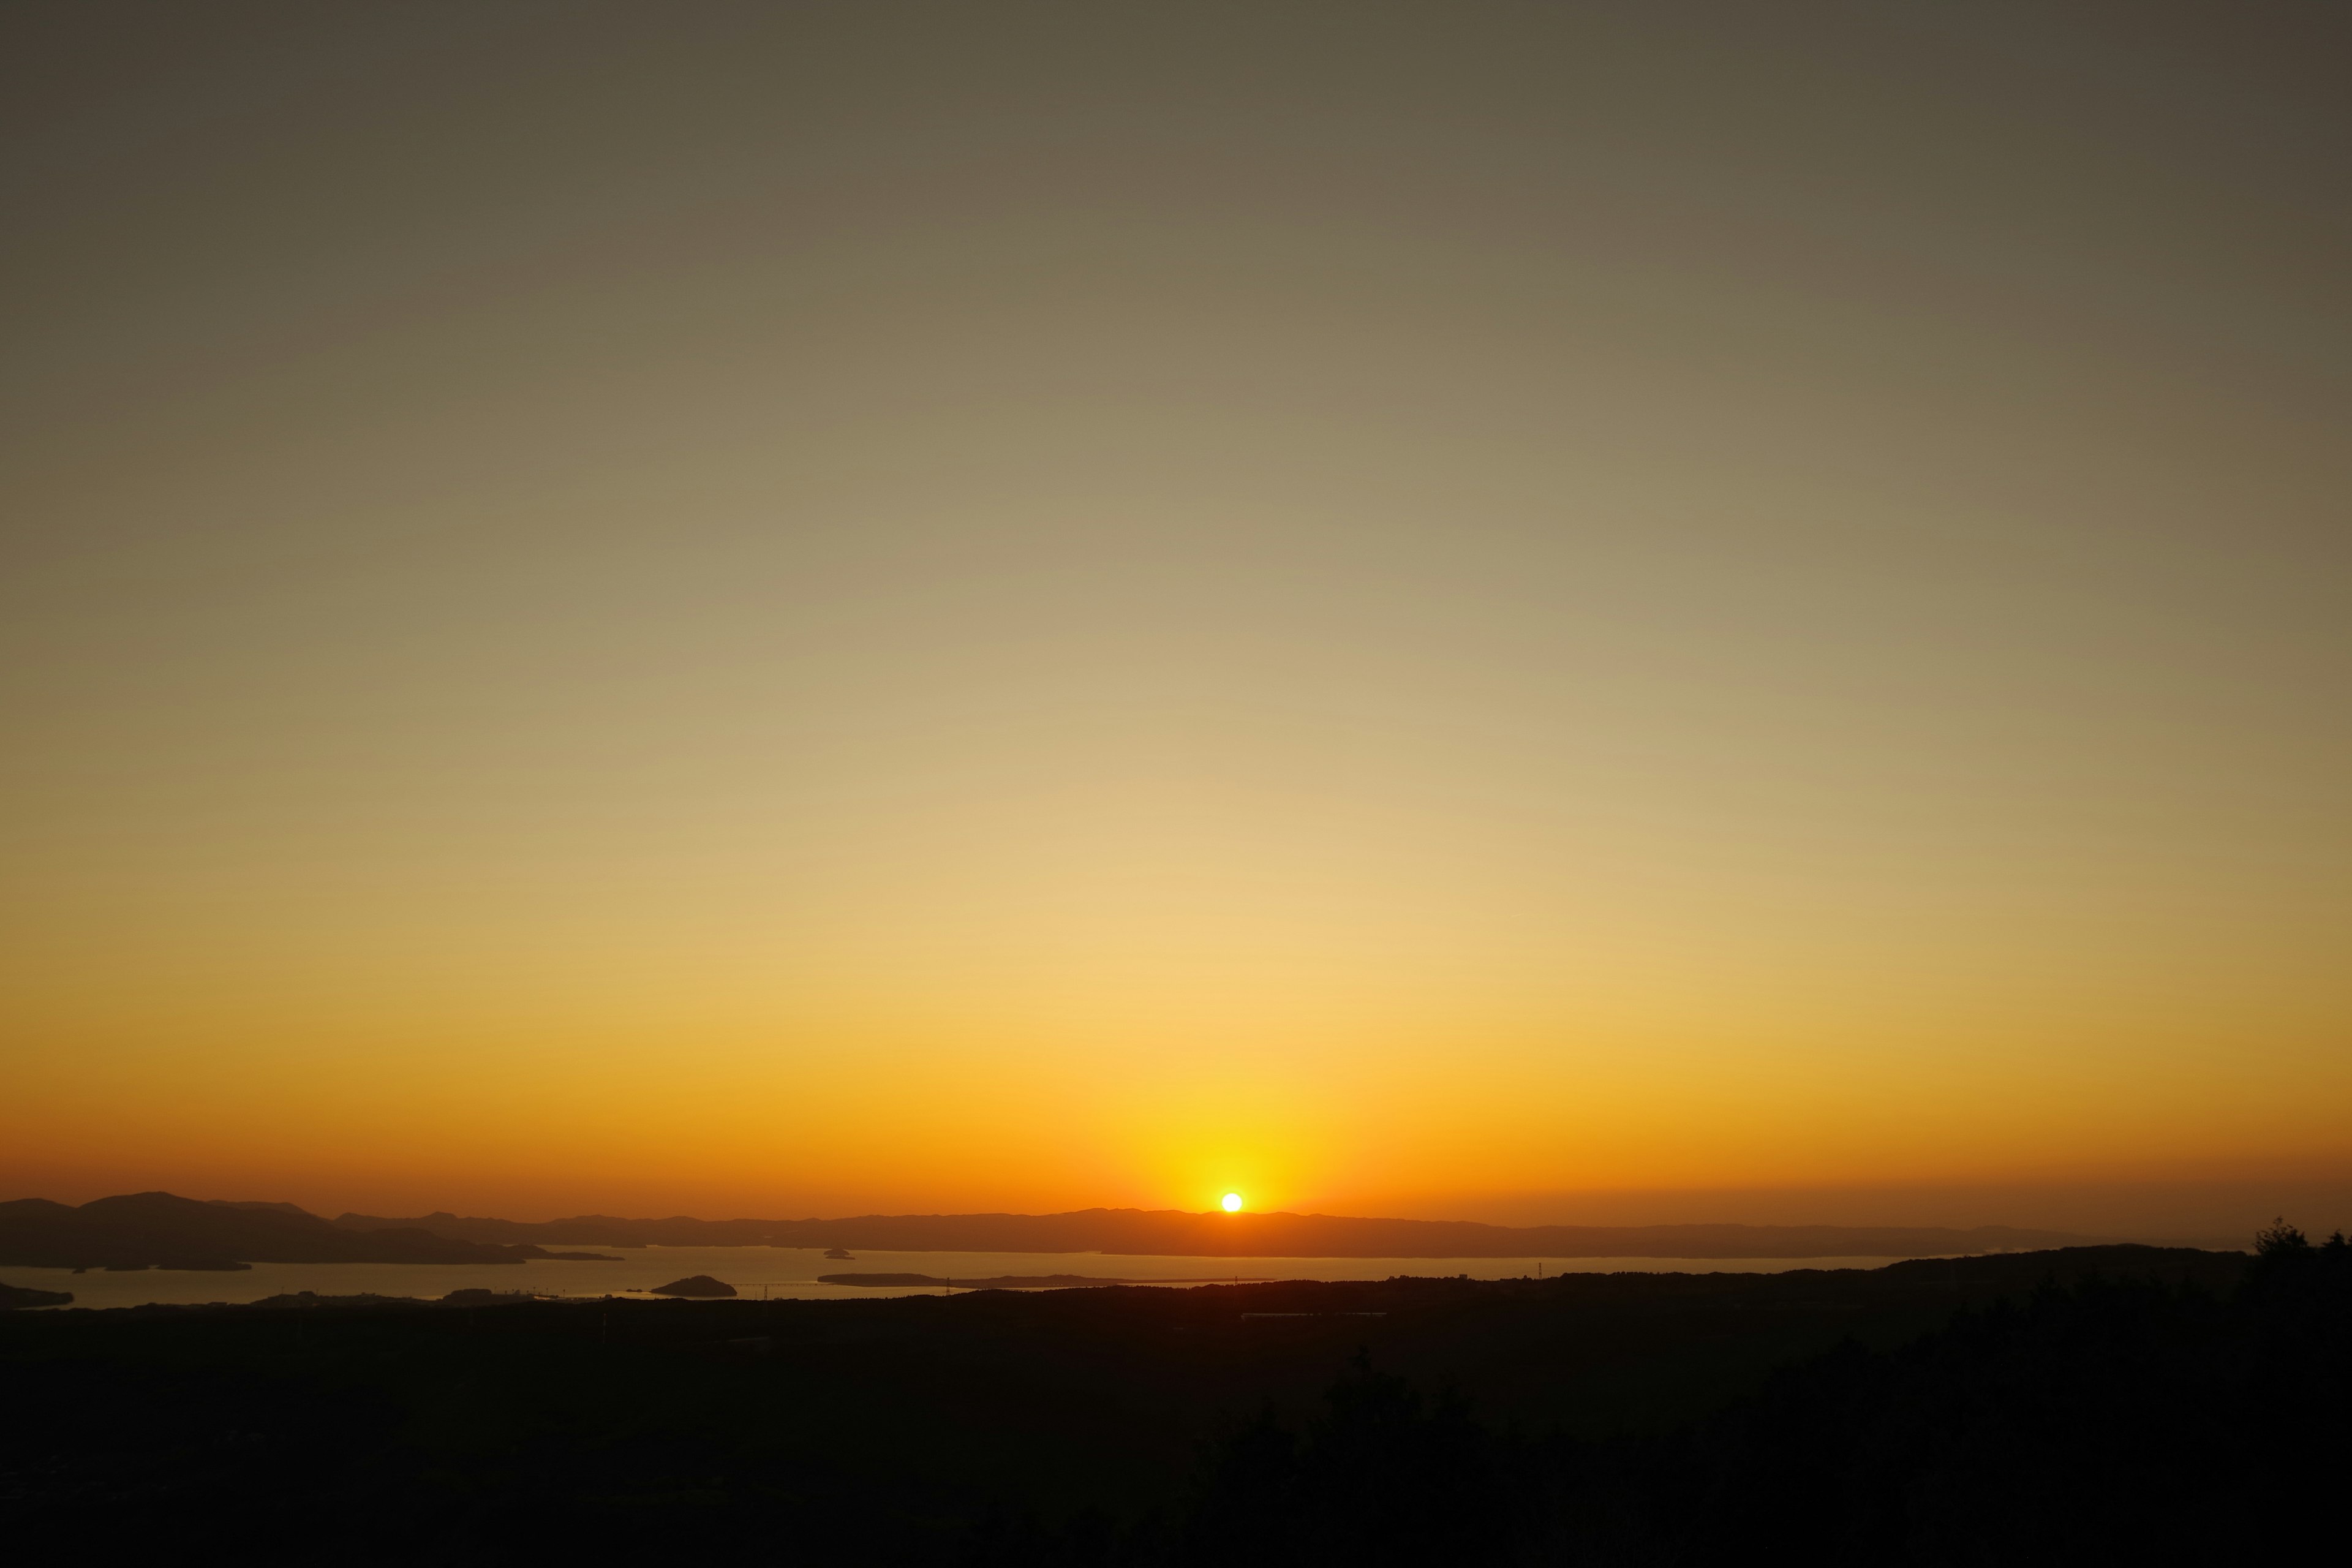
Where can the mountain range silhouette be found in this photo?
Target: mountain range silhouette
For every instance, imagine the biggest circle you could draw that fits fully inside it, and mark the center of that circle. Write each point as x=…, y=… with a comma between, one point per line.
x=162, y=1230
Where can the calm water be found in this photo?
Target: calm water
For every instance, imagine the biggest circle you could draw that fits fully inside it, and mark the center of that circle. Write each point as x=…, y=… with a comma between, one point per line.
x=780, y=1272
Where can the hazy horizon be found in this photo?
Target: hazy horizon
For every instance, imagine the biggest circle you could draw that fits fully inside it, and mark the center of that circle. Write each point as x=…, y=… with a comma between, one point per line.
x=2195, y=1212
x=1448, y=611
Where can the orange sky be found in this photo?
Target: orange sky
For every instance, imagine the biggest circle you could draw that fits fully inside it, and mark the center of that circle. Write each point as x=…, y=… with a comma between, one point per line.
x=1444, y=611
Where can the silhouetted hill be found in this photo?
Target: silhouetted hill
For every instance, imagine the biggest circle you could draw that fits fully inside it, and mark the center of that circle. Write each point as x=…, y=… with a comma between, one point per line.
x=143, y=1230
x=1174, y=1232
x=2135, y=1415
x=2091, y=1404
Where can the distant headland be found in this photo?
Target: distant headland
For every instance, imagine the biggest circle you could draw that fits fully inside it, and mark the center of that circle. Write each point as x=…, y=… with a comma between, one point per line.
x=158, y=1230
x=146, y=1230
x=14, y=1297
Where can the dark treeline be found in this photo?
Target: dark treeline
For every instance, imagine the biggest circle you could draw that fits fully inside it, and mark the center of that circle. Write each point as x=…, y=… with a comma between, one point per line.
x=2114, y=1419
x=2088, y=1405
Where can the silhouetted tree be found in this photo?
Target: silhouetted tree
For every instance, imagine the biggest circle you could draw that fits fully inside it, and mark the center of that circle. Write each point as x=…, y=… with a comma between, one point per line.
x=2279, y=1239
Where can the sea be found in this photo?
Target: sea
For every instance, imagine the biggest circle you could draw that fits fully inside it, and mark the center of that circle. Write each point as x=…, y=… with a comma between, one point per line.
x=791, y=1273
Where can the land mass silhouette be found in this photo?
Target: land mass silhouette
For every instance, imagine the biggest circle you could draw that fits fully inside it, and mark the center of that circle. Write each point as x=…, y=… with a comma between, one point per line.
x=2113, y=1404
x=16, y=1297
x=1175, y=1233
x=1000, y=1281
x=158, y=1230
x=148, y=1230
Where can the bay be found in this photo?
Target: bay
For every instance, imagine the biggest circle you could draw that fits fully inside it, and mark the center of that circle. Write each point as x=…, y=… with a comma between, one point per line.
x=791, y=1273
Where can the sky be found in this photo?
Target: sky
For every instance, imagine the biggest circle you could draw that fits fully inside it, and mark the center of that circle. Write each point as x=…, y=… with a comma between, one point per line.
x=1697, y=611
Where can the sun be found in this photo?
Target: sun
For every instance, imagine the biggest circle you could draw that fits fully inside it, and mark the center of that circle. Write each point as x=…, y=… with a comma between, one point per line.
x=1232, y=1201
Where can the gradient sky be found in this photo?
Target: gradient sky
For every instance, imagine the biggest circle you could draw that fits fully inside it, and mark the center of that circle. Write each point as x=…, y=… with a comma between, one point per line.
x=1416, y=609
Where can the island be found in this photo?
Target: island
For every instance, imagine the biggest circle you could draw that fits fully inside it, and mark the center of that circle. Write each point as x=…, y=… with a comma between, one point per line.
x=697, y=1285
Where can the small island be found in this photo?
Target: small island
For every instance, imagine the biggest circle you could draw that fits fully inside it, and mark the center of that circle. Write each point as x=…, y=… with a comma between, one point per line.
x=697, y=1285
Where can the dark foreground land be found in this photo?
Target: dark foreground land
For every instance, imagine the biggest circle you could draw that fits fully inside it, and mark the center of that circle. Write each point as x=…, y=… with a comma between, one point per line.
x=2088, y=1405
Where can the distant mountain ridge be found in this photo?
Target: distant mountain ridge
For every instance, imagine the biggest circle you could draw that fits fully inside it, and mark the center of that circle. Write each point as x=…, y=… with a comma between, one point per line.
x=1176, y=1233
x=150, y=1230
x=141, y=1230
